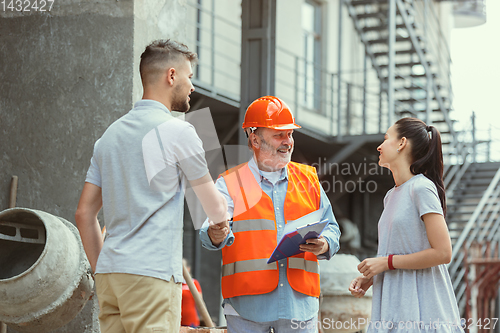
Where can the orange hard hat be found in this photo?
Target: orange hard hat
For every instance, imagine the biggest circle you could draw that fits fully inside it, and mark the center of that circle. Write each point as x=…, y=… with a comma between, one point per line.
x=270, y=112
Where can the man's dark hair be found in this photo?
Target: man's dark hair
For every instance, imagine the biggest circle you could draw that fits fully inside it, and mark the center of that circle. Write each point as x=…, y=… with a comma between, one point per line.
x=161, y=53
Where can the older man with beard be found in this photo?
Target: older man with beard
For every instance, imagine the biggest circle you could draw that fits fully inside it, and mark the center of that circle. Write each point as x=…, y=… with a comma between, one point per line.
x=138, y=269
x=262, y=195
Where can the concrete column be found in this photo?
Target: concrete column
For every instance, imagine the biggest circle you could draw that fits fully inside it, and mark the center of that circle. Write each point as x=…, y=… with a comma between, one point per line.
x=66, y=76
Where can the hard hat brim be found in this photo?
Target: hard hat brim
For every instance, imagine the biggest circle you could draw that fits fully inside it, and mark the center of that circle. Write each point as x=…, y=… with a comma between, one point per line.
x=286, y=127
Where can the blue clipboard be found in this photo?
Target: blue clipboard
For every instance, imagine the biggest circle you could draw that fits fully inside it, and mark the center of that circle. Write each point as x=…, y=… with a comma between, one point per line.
x=296, y=233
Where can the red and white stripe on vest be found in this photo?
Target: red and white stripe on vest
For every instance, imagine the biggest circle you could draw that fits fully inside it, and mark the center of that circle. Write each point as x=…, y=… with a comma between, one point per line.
x=245, y=270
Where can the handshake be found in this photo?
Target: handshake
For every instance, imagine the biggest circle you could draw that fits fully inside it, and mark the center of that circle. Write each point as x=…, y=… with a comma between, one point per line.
x=218, y=231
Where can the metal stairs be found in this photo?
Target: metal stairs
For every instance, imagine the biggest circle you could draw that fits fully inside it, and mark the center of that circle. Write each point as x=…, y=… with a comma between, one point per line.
x=412, y=61
x=473, y=217
x=421, y=79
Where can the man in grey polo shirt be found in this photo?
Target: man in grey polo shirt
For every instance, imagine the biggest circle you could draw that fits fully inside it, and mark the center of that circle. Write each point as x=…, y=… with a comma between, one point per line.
x=138, y=268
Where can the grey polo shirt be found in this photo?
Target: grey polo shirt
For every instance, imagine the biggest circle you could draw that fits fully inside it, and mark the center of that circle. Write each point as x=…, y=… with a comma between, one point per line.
x=142, y=163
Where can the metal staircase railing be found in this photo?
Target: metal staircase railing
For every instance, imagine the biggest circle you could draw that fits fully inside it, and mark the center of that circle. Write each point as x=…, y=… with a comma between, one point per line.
x=343, y=108
x=413, y=66
x=483, y=224
x=458, y=160
x=418, y=43
x=216, y=38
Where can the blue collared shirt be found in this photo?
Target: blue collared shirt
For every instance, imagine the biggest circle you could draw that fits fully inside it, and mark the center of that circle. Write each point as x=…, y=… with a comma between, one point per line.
x=283, y=302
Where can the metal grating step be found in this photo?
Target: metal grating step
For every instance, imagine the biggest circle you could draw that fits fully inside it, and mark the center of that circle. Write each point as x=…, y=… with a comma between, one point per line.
x=398, y=52
x=399, y=39
x=412, y=88
x=487, y=166
x=403, y=64
x=379, y=15
x=443, y=121
x=411, y=100
x=415, y=76
x=367, y=2
x=381, y=27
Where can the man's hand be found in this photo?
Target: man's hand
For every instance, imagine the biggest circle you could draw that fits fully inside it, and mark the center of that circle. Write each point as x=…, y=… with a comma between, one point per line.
x=218, y=232
x=373, y=266
x=315, y=245
x=360, y=285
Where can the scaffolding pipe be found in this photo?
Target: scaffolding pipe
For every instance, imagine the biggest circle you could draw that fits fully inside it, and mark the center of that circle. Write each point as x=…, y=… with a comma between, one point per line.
x=474, y=142
x=332, y=90
x=212, y=44
x=296, y=84
x=392, y=63
x=339, y=78
x=380, y=113
x=488, y=151
x=428, y=73
x=365, y=75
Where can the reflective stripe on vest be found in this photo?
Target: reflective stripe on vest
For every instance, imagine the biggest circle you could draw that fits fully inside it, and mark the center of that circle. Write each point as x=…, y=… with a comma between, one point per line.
x=247, y=266
x=301, y=263
x=251, y=225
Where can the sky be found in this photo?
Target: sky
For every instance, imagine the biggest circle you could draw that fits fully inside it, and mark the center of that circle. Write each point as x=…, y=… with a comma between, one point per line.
x=475, y=55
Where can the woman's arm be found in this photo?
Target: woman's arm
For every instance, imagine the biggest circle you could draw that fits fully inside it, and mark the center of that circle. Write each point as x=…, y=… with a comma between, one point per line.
x=439, y=252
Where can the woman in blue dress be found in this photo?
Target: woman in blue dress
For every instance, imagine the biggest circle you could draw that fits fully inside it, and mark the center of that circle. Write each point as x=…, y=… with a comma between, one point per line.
x=412, y=290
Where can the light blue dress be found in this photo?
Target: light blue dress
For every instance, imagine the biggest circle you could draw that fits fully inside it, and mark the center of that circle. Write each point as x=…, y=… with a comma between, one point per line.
x=411, y=300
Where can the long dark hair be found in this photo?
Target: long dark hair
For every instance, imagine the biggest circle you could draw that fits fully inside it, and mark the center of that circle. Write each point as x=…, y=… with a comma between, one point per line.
x=426, y=151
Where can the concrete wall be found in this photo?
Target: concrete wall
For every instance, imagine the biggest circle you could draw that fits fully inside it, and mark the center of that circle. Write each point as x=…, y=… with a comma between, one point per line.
x=66, y=75
x=65, y=78
x=155, y=19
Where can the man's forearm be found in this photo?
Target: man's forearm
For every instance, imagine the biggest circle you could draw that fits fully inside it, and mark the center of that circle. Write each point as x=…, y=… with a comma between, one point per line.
x=90, y=234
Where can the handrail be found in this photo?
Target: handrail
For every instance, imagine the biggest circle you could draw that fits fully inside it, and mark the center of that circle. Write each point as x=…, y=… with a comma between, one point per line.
x=324, y=102
x=495, y=229
x=488, y=205
x=218, y=17
x=218, y=70
x=402, y=6
x=456, y=174
x=489, y=223
x=479, y=222
x=463, y=236
x=231, y=41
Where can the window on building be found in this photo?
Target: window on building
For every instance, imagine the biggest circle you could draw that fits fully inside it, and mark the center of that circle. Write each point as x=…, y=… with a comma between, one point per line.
x=311, y=27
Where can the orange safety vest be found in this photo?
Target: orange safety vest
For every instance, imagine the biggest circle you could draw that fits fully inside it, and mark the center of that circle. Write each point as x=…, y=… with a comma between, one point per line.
x=245, y=270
